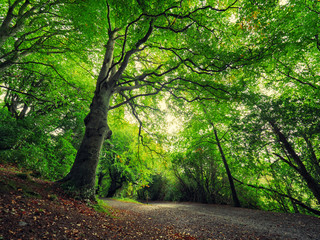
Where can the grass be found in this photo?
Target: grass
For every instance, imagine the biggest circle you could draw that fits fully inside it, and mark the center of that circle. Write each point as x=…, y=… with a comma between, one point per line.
x=129, y=200
x=102, y=207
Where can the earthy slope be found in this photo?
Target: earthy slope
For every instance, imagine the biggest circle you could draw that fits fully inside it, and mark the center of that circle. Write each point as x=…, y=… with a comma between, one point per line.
x=35, y=209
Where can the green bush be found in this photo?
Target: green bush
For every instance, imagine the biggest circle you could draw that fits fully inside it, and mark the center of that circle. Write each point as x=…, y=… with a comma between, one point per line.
x=29, y=145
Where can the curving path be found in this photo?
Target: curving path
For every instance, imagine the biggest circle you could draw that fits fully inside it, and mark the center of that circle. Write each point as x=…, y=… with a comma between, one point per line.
x=209, y=221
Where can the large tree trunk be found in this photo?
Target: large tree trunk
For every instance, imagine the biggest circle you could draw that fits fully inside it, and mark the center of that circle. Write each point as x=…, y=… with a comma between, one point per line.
x=81, y=178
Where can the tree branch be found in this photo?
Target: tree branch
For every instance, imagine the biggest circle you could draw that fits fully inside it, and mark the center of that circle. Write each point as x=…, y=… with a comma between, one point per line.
x=54, y=69
x=131, y=52
x=286, y=161
x=298, y=80
x=317, y=212
x=24, y=93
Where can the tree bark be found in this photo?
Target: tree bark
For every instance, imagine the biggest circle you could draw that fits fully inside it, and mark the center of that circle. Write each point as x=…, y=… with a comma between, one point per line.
x=235, y=198
x=99, y=184
x=236, y=201
x=115, y=185
x=81, y=178
x=312, y=183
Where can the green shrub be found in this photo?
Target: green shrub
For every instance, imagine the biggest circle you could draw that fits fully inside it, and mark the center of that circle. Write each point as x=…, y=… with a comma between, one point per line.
x=31, y=146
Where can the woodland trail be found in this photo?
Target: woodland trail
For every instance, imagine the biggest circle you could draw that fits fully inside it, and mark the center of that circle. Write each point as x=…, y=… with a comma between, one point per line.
x=209, y=221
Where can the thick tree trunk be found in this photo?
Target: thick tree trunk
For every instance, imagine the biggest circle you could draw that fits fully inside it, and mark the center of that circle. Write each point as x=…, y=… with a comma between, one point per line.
x=81, y=178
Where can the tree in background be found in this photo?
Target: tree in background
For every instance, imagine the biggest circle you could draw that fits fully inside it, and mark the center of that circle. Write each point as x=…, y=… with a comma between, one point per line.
x=282, y=146
x=125, y=163
x=204, y=151
x=278, y=105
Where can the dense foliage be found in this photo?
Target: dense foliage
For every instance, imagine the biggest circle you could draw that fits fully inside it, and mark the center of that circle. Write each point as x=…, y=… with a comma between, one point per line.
x=214, y=102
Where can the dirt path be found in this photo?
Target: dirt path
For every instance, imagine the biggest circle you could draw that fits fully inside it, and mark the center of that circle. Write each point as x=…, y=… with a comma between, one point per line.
x=204, y=221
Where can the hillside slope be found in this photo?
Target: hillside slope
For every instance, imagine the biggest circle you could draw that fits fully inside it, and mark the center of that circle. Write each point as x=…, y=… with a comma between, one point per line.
x=34, y=209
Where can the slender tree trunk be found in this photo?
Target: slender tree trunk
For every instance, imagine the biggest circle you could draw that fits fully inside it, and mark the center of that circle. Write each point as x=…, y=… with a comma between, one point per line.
x=312, y=183
x=294, y=205
x=315, y=161
x=235, y=198
x=99, y=184
x=114, y=187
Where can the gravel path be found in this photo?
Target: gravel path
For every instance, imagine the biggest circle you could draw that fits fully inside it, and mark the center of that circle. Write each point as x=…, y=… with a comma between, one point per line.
x=208, y=221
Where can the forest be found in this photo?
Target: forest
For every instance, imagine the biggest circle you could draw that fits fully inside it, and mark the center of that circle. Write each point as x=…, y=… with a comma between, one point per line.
x=213, y=101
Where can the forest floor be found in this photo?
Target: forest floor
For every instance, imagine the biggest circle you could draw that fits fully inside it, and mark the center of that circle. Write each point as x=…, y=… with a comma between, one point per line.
x=31, y=208
x=211, y=221
x=35, y=209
